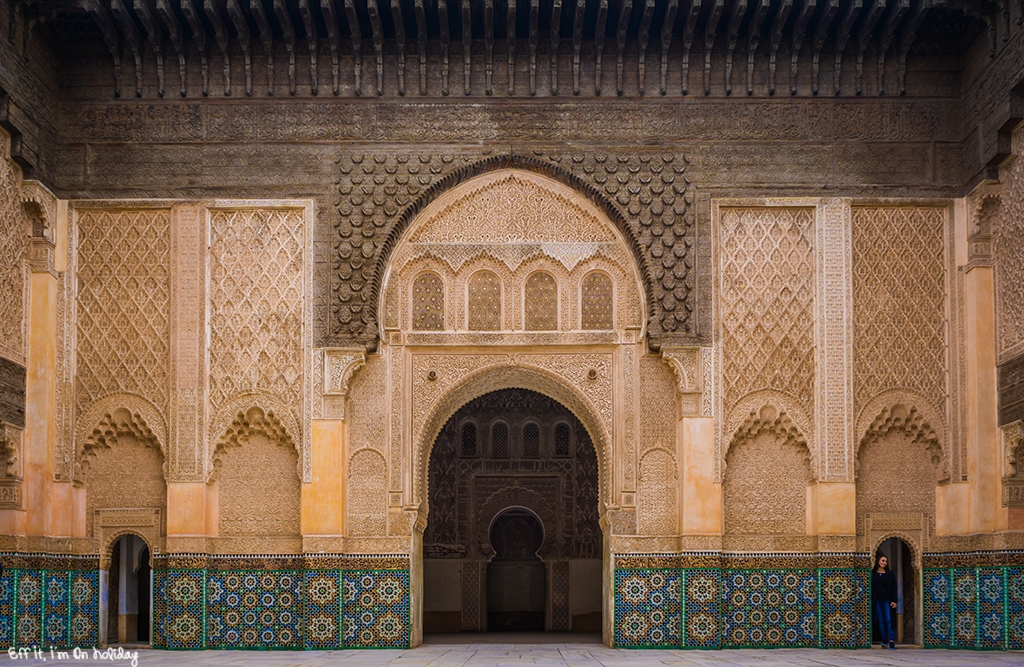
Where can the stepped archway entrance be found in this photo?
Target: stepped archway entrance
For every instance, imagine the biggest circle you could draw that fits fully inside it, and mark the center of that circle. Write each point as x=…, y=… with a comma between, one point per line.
x=513, y=539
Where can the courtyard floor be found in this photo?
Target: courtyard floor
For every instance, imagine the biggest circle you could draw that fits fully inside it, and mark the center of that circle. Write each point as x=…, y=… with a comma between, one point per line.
x=538, y=649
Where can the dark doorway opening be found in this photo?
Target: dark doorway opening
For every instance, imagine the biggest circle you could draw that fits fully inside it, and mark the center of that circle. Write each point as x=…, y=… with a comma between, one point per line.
x=513, y=540
x=901, y=563
x=128, y=592
x=516, y=579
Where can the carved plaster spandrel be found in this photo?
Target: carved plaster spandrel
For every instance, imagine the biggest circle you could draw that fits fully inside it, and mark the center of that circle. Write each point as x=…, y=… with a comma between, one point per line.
x=687, y=365
x=339, y=368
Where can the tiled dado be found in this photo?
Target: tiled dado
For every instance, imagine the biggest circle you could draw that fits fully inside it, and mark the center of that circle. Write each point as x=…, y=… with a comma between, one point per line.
x=710, y=601
x=974, y=600
x=48, y=602
x=223, y=607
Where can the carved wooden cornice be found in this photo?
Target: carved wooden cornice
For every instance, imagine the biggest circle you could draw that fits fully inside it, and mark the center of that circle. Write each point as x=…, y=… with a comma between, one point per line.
x=624, y=33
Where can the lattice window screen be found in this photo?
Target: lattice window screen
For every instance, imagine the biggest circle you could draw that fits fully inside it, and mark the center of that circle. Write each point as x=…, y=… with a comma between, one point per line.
x=499, y=441
x=428, y=303
x=596, y=302
x=562, y=440
x=484, y=306
x=531, y=441
x=469, y=439
x=541, y=302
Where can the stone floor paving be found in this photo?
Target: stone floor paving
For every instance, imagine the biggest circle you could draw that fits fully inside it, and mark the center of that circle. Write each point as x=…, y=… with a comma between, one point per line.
x=548, y=655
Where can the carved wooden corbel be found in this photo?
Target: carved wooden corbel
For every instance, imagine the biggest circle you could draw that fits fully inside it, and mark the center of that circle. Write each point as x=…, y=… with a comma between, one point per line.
x=340, y=366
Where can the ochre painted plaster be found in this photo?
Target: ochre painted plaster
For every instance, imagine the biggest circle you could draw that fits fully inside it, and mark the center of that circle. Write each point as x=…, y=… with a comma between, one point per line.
x=702, y=497
x=323, y=499
x=983, y=459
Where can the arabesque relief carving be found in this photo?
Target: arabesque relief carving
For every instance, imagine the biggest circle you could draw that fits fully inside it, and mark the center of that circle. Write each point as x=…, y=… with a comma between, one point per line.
x=1012, y=440
x=123, y=329
x=14, y=236
x=1008, y=254
x=261, y=316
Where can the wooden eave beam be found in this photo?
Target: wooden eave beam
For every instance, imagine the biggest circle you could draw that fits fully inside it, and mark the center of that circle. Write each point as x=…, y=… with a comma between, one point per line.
x=739, y=8
x=778, y=30
x=554, y=38
x=442, y=15
x=331, y=21
x=885, y=38
x=843, y=34
x=288, y=32
x=821, y=30
x=244, y=38
x=489, y=47
x=378, y=42
x=577, y=42
x=689, y=30
x=918, y=11
x=312, y=43
x=155, y=38
x=131, y=34
x=110, y=37
x=532, y=41
x=266, y=39
x=671, y=10
x=174, y=31
x=710, y=32
x=356, y=36
x=195, y=24
x=803, y=19
x=867, y=27
x=421, y=42
x=600, y=27
x=399, y=23
x=621, y=27
x=643, y=36
x=761, y=8
x=220, y=34
x=510, y=46
x=467, y=46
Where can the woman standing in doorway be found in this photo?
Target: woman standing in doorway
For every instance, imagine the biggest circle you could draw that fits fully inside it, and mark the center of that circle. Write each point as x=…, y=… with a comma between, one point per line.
x=883, y=597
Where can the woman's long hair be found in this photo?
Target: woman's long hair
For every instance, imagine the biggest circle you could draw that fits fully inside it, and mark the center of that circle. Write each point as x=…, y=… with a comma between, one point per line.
x=879, y=556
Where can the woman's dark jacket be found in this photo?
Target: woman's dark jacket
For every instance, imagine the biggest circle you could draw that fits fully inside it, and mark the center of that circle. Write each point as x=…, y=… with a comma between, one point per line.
x=883, y=586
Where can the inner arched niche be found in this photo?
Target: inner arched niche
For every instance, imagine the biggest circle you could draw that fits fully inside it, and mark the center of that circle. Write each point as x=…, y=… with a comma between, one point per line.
x=470, y=487
x=513, y=225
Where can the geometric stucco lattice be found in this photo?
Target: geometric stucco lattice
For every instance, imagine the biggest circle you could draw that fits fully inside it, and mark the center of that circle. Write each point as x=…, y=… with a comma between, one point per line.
x=899, y=304
x=767, y=296
x=123, y=305
x=258, y=269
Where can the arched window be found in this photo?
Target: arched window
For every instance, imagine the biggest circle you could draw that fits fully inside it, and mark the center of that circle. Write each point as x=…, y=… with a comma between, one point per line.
x=531, y=441
x=541, y=302
x=499, y=441
x=428, y=302
x=469, y=439
x=484, y=306
x=596, y=302
x=562, y=436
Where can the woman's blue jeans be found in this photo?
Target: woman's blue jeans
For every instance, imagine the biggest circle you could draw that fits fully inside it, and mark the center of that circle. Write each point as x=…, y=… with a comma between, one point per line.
x=883, y=614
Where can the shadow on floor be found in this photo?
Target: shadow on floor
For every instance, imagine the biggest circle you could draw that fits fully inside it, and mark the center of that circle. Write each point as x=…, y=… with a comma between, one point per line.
x=512, y=638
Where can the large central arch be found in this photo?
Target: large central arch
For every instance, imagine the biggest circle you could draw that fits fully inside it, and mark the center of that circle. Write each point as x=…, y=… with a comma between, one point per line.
x=575, y=334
